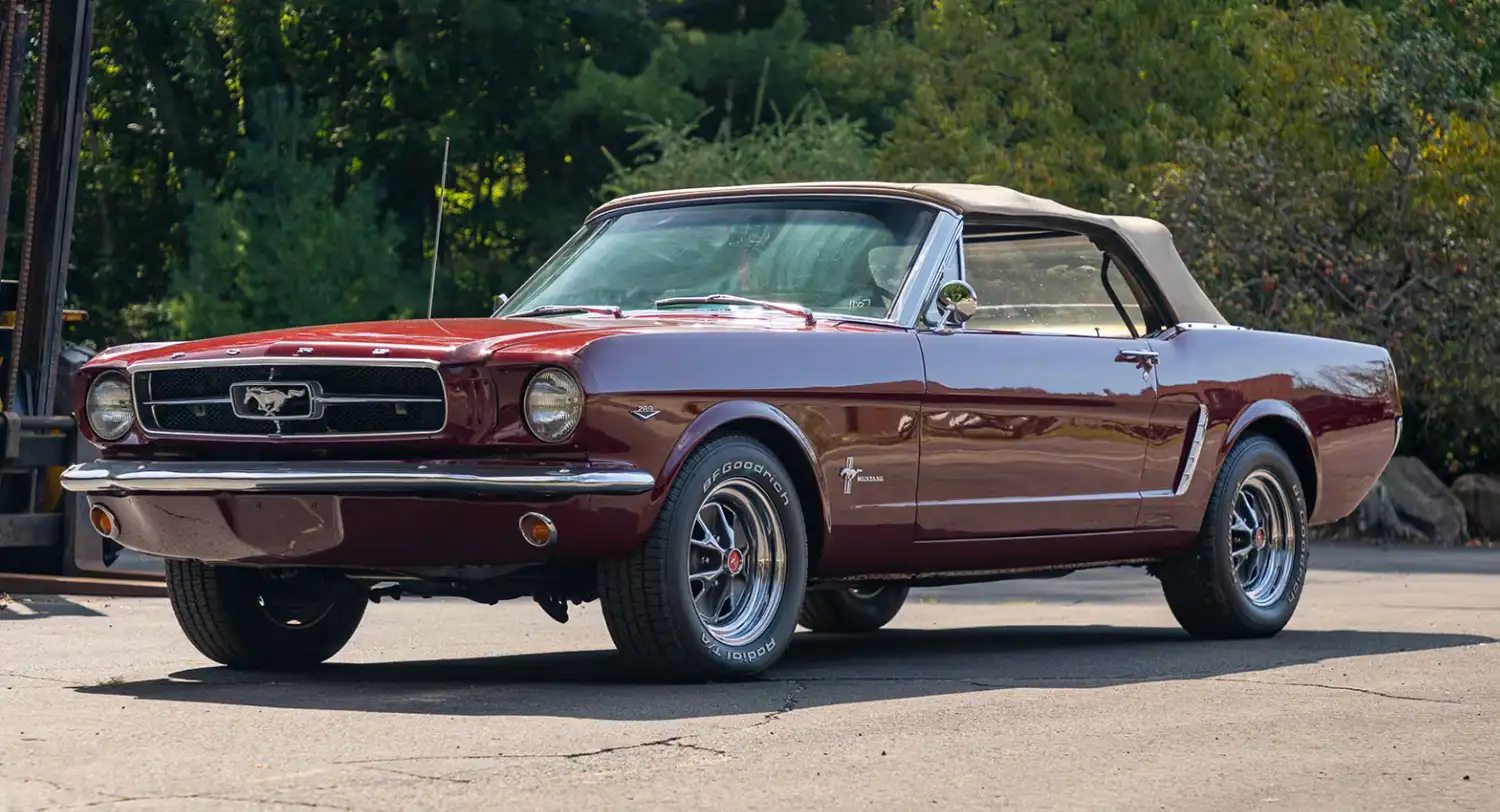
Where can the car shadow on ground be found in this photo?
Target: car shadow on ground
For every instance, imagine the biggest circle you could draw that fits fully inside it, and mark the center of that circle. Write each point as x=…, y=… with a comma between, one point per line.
x=41, y=608
x=818, y=670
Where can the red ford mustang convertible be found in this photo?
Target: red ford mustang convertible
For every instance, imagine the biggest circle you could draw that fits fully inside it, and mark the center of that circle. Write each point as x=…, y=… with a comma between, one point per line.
x=727, y=412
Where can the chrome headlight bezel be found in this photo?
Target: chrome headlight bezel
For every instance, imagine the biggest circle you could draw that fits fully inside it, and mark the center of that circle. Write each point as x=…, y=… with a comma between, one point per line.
x=559, y=383
x=92, y=408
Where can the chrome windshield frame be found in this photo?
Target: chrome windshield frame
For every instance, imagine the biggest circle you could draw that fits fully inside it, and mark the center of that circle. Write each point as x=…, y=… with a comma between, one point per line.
x=907, y=306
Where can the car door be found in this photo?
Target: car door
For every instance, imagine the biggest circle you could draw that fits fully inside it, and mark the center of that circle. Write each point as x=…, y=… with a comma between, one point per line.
x=1037, y=413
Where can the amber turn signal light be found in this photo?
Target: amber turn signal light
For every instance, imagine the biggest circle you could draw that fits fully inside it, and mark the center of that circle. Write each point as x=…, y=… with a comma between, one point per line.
x=104, y=522
x=538, y=530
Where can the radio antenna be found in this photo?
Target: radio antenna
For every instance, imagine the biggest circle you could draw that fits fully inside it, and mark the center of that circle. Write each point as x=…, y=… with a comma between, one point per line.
x=437, y=235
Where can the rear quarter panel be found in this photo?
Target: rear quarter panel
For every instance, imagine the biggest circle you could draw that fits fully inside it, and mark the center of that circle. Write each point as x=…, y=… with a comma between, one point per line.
x=1342, y=395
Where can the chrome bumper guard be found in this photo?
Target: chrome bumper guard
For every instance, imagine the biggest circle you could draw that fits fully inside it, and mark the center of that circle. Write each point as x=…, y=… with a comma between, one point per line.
x=116, y=478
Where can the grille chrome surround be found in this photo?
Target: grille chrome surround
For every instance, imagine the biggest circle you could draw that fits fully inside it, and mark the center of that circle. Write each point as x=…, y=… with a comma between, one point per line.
x=333, y=404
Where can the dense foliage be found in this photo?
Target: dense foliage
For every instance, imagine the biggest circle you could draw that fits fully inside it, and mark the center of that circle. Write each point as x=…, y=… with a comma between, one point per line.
x=1326, y=166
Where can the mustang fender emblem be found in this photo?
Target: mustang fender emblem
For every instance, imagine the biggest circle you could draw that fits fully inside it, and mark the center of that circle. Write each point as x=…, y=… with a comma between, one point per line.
x=849, y=472
x=645, y=412
x=851, y=475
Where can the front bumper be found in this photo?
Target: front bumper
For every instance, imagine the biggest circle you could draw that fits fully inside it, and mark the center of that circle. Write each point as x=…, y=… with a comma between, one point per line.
x=385, y=516
x=116, y=477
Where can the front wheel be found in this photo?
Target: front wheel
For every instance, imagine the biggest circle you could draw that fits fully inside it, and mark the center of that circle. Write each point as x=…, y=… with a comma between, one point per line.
x=1245, y=576
x=264, y=619
x=714, y=591
x=852, y=610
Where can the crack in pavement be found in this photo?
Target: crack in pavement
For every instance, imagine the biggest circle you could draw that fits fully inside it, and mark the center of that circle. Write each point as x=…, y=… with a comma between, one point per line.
x=670, y=741
x=68, y=683
x=1007, y=682
x=787, y=705
x=393, y=771
x=112, y=799
x=55, y=785
x=1349, y=688
x=199, y=796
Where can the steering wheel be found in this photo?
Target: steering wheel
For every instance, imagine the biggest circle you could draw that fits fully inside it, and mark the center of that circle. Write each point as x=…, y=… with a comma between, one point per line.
x=689, y=254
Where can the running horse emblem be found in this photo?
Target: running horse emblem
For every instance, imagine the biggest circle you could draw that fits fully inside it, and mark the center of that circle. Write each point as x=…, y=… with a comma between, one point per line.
x=270, y=401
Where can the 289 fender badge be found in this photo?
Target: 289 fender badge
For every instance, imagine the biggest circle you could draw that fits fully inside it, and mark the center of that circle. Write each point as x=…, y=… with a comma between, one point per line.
x=645, y=412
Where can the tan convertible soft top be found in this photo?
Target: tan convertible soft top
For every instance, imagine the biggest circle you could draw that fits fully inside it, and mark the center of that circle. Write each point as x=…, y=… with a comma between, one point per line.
x=1150, y=240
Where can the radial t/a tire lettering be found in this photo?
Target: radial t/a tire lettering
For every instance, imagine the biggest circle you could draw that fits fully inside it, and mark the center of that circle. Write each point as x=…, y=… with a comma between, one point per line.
x=853, y=610
x=1245, y=575
x=241, y=617
x=714, y=591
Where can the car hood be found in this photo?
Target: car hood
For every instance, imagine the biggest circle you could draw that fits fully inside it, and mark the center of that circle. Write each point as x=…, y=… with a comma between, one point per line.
x=447, y=340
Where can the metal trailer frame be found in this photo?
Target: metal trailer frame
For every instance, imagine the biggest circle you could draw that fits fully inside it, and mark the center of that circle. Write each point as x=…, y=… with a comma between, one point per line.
x=41, y=531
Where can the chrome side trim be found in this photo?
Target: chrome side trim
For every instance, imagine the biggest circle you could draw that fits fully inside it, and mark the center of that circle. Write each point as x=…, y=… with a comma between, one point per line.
x=1191, y=465
x=1184, y=481
x=122, y=477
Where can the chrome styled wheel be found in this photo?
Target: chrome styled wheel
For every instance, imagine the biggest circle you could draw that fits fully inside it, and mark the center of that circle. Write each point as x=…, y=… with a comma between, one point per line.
x=1244, y=574
x=738, y=562
x=1261, y=538
x=714, y=591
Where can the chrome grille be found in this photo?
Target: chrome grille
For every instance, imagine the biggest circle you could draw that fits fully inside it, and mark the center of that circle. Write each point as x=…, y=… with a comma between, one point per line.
x=330, y=399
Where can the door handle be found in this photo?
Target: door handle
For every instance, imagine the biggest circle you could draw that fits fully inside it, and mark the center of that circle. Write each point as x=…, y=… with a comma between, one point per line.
x=1132, y=356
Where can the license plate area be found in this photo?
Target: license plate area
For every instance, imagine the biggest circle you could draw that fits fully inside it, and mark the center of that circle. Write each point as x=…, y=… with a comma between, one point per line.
x=285, y=526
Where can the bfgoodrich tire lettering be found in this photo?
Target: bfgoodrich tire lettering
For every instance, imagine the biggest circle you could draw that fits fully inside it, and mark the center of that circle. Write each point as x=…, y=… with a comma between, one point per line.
x=1245, y=576
x=657, y=600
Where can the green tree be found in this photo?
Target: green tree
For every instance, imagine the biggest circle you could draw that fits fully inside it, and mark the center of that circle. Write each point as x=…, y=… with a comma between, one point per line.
x=271, y=244
x=807, y=145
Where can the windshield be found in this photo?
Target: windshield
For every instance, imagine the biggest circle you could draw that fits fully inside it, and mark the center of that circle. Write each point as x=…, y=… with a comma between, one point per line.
x=846, y=257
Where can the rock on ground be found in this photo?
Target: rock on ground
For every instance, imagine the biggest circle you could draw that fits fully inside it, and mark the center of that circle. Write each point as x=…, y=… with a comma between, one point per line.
x=1480, y=495
x=1411, y=504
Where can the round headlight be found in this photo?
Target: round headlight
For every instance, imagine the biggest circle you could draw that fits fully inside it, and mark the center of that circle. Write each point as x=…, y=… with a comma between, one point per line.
x=553, y=405
x=109, y=408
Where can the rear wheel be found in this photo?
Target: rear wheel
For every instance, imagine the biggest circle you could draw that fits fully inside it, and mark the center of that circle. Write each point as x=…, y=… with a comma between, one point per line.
x=852, y=610
x=714, y=591
x=1245, y=576
x=264, y=619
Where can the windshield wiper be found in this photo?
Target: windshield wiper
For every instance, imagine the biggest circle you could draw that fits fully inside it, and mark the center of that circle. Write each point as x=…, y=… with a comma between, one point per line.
x=725, y=298
x=559, y=310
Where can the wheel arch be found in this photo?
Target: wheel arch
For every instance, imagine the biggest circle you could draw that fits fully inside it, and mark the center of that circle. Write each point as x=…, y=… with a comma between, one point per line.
x=778, y=432
x=1278, y=421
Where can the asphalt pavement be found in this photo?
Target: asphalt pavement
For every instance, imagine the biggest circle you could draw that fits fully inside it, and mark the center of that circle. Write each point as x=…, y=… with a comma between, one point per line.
x=1074, y=693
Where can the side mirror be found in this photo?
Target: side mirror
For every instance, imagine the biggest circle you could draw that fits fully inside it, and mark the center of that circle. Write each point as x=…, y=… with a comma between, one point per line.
x=957, y=303
x=500, y=300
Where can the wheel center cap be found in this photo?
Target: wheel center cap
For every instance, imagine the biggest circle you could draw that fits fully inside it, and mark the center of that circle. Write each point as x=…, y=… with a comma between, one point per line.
x=734, y=561
x=1260, y=538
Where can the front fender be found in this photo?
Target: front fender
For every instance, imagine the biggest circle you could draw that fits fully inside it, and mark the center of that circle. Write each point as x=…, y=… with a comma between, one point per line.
x=717, y=417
